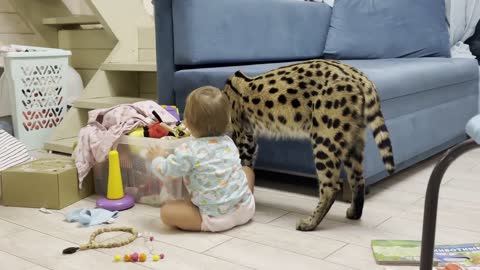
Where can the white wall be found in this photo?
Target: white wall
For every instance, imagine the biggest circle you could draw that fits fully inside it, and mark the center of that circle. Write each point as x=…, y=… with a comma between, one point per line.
x=78, y=7
x=13, y=30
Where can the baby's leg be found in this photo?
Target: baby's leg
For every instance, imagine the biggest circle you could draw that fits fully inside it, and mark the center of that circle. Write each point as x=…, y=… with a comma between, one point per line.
x=250, y=177
x=181, y=214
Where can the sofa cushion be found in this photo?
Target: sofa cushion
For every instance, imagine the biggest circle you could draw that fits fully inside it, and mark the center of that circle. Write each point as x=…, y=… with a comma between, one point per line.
x=394, y=78
x=370, y=29
x=247, y=31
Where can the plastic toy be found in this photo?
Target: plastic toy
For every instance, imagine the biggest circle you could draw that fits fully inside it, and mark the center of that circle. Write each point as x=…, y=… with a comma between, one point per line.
x=152, y=131
x=162, y=129
x=142, y=257
x=135, y=257
x=173, y=110
x=116, y=200
x=179, y=130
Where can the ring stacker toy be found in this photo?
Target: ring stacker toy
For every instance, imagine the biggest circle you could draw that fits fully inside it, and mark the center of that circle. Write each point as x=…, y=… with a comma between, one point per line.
x=116, y=200
x=92, y=244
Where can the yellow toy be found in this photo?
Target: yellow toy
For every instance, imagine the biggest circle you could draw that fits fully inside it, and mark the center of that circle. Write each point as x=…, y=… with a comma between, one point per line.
x=115, y=184
x=138, y=132
x=116, y=200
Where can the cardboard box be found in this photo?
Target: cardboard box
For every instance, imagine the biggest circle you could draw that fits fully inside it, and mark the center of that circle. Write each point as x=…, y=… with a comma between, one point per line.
x=48, y=183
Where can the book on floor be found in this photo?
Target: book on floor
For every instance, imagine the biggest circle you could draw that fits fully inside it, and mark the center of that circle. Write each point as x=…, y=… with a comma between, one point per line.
x=450, y=266
x=397, y=252
x=466, y=256
x=407, y=252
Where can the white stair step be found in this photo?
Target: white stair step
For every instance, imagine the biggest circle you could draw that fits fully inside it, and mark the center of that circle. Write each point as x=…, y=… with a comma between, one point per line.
x=133, y=66
x=104, y=102
x=61, y=146
x=71, y=20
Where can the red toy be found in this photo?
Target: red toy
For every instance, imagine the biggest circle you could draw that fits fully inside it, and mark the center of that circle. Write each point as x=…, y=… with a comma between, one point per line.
x=155, y=131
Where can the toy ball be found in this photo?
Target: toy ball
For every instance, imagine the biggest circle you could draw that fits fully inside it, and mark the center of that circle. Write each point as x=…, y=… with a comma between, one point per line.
x=162, y=256
x=156, y=258
x=134, y=257
x=142, y=257
x=118, y=258
x=127, y=258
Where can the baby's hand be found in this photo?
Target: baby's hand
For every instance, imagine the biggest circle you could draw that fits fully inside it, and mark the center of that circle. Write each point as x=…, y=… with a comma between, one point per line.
x=155, y=151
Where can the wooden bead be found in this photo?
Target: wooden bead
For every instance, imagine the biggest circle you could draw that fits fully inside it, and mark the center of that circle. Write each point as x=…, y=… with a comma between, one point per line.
x=134, y=257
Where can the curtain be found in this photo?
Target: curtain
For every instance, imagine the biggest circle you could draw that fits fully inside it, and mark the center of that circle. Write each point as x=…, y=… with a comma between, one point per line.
x=463, y=16
x=330, y=2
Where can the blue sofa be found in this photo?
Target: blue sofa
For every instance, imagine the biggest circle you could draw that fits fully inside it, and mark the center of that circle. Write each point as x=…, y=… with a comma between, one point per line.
x=426, y=101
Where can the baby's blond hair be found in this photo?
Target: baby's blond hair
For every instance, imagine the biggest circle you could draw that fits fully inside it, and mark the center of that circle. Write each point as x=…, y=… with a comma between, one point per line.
x=207, y=112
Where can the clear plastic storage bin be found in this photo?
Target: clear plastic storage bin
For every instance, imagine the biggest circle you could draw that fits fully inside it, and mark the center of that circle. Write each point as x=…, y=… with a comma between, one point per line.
x=138, y=179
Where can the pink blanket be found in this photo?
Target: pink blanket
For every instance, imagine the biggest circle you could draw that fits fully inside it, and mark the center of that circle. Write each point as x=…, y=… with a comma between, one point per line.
x=106, y=126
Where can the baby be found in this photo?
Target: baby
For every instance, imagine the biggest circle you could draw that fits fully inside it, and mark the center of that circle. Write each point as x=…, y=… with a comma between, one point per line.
x=221, y=190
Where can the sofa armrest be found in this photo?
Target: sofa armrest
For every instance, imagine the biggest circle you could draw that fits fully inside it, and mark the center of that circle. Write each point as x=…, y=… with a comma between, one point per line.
x=164, y=51
x=243, y=31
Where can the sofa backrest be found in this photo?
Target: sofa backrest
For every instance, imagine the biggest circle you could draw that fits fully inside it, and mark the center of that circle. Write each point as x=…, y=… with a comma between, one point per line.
x=247, y=31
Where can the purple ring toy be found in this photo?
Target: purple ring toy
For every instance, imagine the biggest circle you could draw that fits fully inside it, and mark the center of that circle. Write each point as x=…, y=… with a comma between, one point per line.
x=124, y=203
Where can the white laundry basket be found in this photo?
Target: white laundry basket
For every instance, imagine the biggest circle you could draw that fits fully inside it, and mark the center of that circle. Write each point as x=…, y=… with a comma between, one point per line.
x=37, y=79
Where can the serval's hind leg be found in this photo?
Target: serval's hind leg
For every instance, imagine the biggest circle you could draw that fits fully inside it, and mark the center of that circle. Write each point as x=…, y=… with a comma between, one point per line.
x=327, y=164
x=354, y=169
x=244, y=138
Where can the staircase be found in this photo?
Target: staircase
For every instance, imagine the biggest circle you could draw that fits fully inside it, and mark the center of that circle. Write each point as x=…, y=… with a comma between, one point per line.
x=113, y=50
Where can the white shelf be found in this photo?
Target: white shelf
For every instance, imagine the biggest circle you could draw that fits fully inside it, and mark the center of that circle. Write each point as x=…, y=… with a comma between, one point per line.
x=71, y=20
x=61, y=146
x=104, y=102
x=134, y=66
